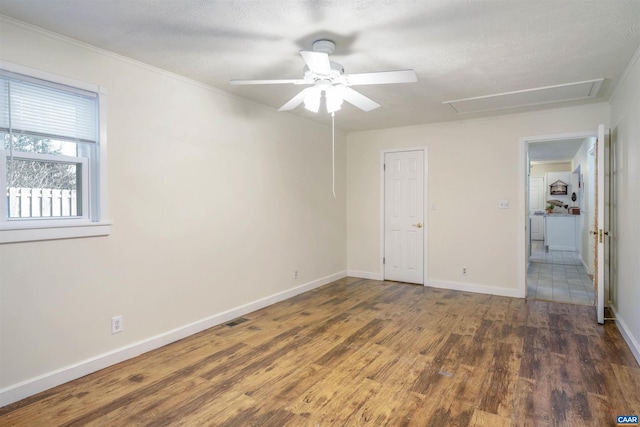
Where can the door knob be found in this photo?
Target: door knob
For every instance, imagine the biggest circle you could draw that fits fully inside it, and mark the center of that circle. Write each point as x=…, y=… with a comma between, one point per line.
x=419, y=225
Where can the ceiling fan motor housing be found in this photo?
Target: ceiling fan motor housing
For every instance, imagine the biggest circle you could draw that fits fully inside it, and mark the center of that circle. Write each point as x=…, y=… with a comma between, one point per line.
x=336, y=71
x=324, y=46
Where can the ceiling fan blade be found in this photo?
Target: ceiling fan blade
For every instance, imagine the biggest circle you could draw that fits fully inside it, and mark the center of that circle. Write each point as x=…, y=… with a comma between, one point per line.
x=266, y=82
x=382, y=77
x=295, y=101
x=318, y=62
x=358, y=99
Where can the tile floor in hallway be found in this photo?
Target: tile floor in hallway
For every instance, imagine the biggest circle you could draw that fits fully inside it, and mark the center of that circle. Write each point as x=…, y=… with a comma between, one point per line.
x=558, y=276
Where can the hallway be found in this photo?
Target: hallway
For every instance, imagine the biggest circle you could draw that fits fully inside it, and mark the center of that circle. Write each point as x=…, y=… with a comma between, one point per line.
x=558, y=276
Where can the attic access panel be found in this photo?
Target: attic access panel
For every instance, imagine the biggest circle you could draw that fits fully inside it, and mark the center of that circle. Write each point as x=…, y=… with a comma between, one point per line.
x=559, y=188
x=528, y=97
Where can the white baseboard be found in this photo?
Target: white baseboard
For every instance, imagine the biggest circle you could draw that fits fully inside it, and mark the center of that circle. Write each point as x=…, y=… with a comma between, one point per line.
x=467, y=287
x=627, y=335
x=38, y=384
x=364, y=275
x=479, y=289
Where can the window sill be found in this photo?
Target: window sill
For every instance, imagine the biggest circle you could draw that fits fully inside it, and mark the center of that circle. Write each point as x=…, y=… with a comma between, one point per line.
x=15, y=233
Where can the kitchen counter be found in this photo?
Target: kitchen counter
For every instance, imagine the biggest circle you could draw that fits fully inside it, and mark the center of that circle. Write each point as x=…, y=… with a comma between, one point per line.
x=544, y=214
x=560, y=214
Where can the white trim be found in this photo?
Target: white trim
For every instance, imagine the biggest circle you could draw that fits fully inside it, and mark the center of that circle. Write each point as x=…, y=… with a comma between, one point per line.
x=584, y=264
x=593, y=91
x=632, y=62
x=94, y=221
x=455, y=286
x=381, y=167
x=100, y=204
x=627, y=335
x=67, y=231
x=52, y=158
x=49, y=158
x=364, y=275
x=48, y=76
x=560, y=136
x=523, y=219
x=35, y=385
x=480, y=289
x=425, y=210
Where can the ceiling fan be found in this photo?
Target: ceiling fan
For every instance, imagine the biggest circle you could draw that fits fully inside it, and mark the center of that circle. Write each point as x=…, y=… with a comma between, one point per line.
x=328, y=78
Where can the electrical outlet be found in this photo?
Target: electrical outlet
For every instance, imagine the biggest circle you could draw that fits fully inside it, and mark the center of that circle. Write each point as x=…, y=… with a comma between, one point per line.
x=464, y=271
x=503, y=204
x=116, y=324
x=295, y=274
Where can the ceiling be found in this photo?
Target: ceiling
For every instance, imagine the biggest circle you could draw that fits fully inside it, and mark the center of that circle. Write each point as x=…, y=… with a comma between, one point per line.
x=563, y=150
x=459, y=48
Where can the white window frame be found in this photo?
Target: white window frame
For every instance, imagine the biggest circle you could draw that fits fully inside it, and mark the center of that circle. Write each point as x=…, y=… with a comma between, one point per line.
x=94, y=218
x=51, y=158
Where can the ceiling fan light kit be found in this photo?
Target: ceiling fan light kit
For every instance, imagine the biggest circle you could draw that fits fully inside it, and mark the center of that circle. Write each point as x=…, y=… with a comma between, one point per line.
x=312, y=99
x=328, y=78
x=335, y=97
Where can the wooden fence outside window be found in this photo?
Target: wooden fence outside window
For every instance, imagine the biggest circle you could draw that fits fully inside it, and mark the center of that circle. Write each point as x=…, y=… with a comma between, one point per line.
x=41, y=203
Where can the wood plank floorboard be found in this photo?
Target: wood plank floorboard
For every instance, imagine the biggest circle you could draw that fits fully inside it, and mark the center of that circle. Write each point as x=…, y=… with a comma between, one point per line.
x=361, y=352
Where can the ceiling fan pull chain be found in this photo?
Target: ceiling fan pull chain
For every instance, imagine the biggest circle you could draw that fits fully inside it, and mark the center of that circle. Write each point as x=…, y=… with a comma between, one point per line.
x=333, y=151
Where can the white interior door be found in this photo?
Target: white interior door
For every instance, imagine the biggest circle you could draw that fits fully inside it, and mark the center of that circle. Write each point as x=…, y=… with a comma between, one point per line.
x=589, y=210
x=404, y=216
x=536, y=193
x=601, y=197
x=536, y=203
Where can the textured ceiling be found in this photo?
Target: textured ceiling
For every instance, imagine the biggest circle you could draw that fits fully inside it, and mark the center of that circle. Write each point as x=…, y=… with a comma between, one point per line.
x=459, y=48
x=562, y=150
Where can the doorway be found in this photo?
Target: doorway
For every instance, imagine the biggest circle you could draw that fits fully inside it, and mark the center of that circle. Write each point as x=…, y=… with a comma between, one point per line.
x=404, y=223
x=556, y=226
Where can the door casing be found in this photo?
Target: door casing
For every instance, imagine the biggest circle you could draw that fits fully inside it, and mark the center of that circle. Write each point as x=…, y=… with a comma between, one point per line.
x=524, y=236
x=425, y=210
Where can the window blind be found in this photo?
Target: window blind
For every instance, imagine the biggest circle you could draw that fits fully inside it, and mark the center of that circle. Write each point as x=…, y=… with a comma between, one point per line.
x=4, y=103
x=48, y=110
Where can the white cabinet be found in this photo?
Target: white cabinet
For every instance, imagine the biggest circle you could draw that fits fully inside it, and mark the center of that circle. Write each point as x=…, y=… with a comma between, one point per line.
x=537, y=227
x=560, y=232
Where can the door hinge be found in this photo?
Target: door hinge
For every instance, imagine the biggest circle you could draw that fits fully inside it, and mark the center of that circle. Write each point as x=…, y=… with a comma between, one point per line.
x=383, y=260
x=384, y=166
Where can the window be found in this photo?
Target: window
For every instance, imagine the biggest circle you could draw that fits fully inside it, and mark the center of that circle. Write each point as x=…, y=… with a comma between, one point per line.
x=52, y=157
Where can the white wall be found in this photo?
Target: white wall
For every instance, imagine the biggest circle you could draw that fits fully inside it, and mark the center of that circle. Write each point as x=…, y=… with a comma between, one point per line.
x=581, y=159
x=625, y=119
x=541, y=169
x=472, y=165
x=262, y=182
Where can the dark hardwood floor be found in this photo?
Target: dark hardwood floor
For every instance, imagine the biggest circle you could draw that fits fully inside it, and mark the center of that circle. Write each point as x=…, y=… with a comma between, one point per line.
x=363, y=352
